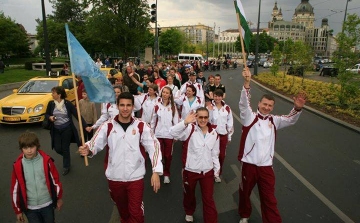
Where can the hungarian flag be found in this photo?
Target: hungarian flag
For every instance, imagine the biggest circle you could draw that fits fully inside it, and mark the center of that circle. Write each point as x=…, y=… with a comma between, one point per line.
x=98, y=87
x=246, y=33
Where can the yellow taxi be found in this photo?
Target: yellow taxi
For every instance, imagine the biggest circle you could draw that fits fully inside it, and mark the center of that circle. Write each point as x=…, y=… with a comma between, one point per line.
x=110, y=72
x=28, y=103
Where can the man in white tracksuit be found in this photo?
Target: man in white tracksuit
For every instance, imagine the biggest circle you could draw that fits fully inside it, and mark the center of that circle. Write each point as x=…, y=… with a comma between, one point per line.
x=126, y=162
x=257, y=148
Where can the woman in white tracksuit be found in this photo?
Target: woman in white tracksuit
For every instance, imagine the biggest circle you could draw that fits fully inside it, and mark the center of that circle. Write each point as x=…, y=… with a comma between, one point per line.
x=200, y=162
x=146, y=102
x=188, y=102
x=164, y=116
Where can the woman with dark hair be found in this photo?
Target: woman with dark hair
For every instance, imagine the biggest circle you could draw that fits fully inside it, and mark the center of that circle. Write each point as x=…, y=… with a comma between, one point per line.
x=146, y=102
x=164, y=116
x=63, y=131
x=188, y=102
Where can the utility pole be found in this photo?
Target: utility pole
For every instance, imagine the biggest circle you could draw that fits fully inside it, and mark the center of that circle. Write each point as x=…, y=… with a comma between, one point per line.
x=154, y=20
x=257, y=42
x=207, y=43
x=214, y=41
x=46, y=41
x=218, y=42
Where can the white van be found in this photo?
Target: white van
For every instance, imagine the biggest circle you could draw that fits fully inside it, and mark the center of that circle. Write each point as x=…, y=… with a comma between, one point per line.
x=189, y=56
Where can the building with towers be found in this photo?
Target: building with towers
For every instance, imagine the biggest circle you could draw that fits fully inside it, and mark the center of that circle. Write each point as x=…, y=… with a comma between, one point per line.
x=302, y=28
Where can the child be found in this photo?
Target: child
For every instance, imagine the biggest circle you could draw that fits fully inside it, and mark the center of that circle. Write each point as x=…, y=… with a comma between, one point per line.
x=35, y=186
x=201, y=79
x=88, y=112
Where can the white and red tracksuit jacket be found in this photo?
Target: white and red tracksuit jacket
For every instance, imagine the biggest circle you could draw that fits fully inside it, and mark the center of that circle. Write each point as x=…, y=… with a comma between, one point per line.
x=257, y=144
x=108, y=110
x=199, y=90
x=200, y=153
x=185, y=108
x=162, y=120
x=223, y=119
x=18, y=184
x=126, y=161
x=146, y=104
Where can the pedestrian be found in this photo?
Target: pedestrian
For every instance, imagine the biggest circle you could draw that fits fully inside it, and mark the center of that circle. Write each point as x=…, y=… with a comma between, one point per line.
x=88, y=111
x=201, y=79
x=164, y=116
x=257, y=148
x=146, y=102
x=35, y=185
x=198, y=86
x=208, y=90
x=80, y=87
x=2, y=66
x=98, y=63
x=170, y=83
x=126, y=162
x=221, y=117
x=200, y=162
x=63, y=131
x=188, y=101
x=127, y=79
x=218, y=85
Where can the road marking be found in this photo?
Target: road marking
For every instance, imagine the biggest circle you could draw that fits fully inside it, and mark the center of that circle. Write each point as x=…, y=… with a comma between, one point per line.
x=307, y=184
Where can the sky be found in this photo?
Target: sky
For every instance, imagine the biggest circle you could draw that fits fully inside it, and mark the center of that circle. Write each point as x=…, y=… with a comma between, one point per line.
x=207, y=12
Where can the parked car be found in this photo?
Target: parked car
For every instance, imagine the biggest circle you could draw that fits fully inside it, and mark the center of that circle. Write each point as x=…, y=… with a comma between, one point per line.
x=28, y=103
x=109, y=72
x=355, y=69
x=329, y=69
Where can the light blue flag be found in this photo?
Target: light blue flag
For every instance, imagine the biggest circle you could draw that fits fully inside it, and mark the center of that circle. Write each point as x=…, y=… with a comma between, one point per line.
x=98, y=87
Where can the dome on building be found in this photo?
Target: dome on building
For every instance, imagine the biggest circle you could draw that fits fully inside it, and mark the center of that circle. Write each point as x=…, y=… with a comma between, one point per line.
x=275, y=6
x=304, y=7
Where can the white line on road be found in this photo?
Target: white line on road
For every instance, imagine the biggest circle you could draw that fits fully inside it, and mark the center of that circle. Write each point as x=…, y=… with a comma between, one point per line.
x=307, y=184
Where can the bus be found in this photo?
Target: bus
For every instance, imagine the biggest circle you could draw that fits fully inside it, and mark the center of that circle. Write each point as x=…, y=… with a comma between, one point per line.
x=190, y=56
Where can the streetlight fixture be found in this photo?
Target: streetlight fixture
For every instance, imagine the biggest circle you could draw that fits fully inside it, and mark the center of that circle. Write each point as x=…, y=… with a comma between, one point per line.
x=46, y=41
x=257, y=42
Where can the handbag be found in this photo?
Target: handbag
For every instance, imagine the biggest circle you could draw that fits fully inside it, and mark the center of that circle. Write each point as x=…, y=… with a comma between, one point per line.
x=46, y=124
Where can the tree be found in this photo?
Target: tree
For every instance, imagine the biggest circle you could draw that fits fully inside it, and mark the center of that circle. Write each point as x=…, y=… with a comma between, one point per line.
x=118, y=26
x=276, y=55
x=171, y=41
x=346, y=56
x=13, y=37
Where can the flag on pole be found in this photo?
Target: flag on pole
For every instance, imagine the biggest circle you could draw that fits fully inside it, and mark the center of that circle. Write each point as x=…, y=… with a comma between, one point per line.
x=246, y=33
x=98, y=87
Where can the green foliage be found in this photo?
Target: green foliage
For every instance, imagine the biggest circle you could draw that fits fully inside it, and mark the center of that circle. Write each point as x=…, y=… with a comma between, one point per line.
x=171, y=42
x=13, y=37
x=345, y=57
x=13, y=75
x=266, y=43
x=276, y=55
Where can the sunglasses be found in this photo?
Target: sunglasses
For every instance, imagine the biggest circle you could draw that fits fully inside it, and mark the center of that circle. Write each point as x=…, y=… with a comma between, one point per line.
x=203, y=117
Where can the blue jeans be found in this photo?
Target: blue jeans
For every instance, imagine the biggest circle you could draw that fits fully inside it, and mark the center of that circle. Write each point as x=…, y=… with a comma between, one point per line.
x=42, y=215
x=62, y=139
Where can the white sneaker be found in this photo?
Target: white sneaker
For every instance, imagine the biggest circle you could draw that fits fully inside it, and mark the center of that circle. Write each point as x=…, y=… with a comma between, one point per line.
x=166, y=180
x=217, y=179
x=189, y=218
x=243, y=220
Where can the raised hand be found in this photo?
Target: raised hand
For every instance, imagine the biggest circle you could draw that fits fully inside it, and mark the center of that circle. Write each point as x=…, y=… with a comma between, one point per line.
x=299, y=100
x=190, y=118
x=247, y=77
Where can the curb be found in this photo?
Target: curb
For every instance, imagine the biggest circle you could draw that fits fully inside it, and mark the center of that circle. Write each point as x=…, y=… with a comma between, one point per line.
x=316, y=112
x=5, y=87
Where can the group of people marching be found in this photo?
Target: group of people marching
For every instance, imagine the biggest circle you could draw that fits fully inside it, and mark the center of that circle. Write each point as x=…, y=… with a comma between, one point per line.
x=150, y=114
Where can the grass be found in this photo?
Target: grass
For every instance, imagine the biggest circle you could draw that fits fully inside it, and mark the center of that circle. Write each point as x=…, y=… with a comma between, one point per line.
x=12, y=75
x=22, y=61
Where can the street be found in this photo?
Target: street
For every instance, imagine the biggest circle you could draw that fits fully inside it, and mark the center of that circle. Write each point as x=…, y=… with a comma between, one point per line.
x=317, y=168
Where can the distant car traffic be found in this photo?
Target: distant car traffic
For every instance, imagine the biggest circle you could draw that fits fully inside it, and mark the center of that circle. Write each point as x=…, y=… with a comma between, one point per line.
x=262, y=61
x=28, y=103
x=355, y=69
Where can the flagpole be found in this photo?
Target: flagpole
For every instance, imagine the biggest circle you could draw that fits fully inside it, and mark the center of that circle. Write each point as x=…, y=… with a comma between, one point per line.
x=241, y=37
x=76, y=96
x=79, y=116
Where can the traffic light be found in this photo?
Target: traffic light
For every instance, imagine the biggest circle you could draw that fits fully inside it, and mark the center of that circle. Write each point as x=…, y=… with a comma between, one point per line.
x=153, y=13
x=159, y=31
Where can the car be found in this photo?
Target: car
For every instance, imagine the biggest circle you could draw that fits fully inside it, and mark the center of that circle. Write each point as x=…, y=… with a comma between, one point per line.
x=28, y=103
x=262, y=61
x=355, y=69
x=329, y=69
x=109, y=72
x=298, y=71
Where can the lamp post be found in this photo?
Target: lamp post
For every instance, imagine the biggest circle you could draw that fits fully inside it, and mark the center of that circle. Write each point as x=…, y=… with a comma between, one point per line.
x=207, y=43
x=347, y=1
x=257, y=42
x=213, y=41
x=46, y=41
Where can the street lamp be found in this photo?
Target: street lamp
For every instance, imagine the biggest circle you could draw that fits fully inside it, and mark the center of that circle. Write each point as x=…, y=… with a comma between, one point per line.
x=347, y=1
x=257, y=42
x=46, y=41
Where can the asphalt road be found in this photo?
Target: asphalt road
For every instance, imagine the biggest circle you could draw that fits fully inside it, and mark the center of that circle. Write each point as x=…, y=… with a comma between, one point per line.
x=317, y=166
